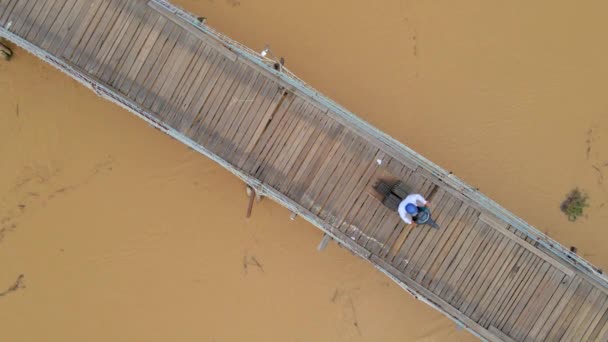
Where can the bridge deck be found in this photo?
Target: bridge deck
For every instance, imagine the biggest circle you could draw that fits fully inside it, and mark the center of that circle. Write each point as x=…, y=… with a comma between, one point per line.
x=483, y=268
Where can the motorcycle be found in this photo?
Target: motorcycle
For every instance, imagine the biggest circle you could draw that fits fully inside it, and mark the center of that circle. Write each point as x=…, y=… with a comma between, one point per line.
x=392, y=195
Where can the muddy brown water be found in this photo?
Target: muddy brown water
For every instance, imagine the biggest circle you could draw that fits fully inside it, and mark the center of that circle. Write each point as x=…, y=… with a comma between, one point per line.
x=112, y=231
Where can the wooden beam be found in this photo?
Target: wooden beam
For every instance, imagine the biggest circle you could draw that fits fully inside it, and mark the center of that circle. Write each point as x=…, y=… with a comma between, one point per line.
x=323, y=244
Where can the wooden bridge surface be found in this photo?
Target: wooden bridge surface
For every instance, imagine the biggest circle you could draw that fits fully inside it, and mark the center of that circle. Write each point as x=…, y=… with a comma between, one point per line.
x=478, y=269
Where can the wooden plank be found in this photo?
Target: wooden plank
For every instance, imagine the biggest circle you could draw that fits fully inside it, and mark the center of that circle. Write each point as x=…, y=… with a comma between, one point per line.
x=543, y=282
x=584, y=316
x=463, y=261
x=298, y=158
x=387, y=232
x=126, y=45
x=5, y=6
x=600, y=329
x=411, y=251
x=19, y=17
x=100, y=32
x=461, y=246
x=389, y=171
x=264, y=107
x=295, y=146
x=36, y=19
x=476, y=262
x=493, y=289
x=450, y=246
x=273, y=125
x=429, y=241
x=141, y=30
x=502, y=227
x=368, y=230
x=537, y=304
x=184, y=116
x=226, y=113
x=206, y=92
x=253, y=113
x=219, y=46
x=504, y=337
x=312, y=161
x=489, y=275
x=89, y=33
x=13, y=9
x=273, y=165
x=594, y=321
x=350, y=156
x=58, y=31
x=379, y=212
x=603, y=334
x=361, y=195
x=218, y=112
x=153, y=72
x=523, y=297
x=170, y=110
x=6, y=14
x=115, y=19
x=517, y=275
x=330, y=163
x=203, y=125
x=171, y=74
x=386, y=229
x=343, y=200
x=363, y=216
x=115, y=34
x=452, y=227
x=148, y=39
x=276, y=171
x=542, y=323
x=273, y=130
x=567, y=314
x=52, y=10
x=244, y=93
x=480, y=262
x=431, y=297
x=79, y=23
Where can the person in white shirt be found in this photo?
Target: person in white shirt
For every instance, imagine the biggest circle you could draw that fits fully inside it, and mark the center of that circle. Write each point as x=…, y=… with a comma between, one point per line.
x=409, y=207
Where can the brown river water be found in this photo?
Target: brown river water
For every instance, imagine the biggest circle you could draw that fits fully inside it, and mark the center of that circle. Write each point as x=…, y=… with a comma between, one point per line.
x=112, y=231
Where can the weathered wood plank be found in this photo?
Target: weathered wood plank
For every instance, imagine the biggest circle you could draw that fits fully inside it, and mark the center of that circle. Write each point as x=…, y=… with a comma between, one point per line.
x=221, y=48
x=584, y=316
x=567, y=314
x=520, y=274
x=594, y=321
x=502, y=227
x=451, y=227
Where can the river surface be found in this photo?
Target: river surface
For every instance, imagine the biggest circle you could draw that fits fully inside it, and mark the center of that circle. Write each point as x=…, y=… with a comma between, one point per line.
x=112, y=231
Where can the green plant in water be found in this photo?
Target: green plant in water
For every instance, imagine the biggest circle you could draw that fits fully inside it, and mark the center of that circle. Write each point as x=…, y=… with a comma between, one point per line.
x=575, y=203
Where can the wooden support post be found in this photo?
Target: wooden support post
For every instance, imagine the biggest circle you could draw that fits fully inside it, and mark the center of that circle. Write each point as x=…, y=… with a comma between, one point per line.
x=252, y=197
x=323, y=244
x=5, y=52
x=293, y=216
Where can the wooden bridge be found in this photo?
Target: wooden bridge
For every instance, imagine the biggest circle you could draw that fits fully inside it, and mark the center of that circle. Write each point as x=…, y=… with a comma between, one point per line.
x=485, y=268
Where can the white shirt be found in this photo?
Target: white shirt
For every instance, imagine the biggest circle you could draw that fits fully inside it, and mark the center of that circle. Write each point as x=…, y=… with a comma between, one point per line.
x=415, y=199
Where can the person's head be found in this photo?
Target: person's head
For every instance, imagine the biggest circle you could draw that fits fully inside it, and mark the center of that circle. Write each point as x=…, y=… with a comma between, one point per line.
x=411, y=209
